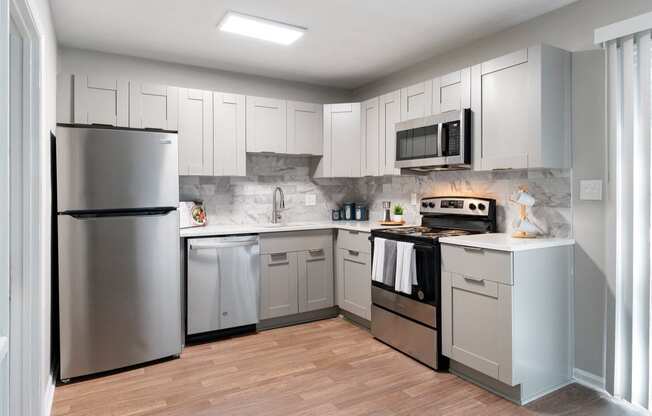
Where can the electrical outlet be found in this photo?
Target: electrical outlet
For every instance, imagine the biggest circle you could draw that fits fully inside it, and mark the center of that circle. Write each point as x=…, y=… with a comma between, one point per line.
x=591, y=190
x=311, y=200
x=413, y=199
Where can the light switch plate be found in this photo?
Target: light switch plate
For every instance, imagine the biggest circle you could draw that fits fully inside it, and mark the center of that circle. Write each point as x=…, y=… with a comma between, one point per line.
x=591, y=190
x=311, y=200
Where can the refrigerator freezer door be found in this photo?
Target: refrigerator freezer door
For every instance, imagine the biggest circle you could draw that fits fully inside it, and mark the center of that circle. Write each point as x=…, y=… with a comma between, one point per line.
x=119, y=290
x=105, y=169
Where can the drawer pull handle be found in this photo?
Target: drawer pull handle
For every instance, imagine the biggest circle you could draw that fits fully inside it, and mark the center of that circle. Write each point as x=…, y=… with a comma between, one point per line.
x=354, y=232
x=474, y=279
x=474, y=249
x=316, y=252
x=354, y=252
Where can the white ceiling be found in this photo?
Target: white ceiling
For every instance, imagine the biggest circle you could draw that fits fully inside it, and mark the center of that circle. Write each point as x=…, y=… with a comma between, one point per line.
x=348, y=44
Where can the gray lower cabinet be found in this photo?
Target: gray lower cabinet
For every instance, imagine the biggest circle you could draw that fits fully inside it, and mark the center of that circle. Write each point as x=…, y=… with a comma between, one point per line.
x=315, y=276
x=354, y=282
x=296, y=270
x=278, y=285
x=506, y=317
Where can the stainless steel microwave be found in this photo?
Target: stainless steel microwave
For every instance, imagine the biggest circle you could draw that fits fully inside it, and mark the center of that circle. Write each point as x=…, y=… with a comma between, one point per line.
x=437, y=142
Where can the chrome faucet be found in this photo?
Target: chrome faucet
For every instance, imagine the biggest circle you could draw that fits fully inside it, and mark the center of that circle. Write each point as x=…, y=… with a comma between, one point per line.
x=276, y=208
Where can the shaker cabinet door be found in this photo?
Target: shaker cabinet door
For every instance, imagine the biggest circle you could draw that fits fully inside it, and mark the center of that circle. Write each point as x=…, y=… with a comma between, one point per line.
x=354, y=282
x=452, y=92
x=315, y=279
x=342, y=148
x=100, y=100
x=304, y=128
x=266, y=125
x=153, y=106
x=195, y=132
x=278, y=285
x=229, y=143
x=390, y=114
x=416, y=100
x=370, y=155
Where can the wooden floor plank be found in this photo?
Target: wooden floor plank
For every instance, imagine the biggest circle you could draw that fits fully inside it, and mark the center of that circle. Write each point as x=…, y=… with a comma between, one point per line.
x=325, y=368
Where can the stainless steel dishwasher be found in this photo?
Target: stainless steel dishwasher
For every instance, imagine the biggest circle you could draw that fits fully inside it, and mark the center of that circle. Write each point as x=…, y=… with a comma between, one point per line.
x=223, y=283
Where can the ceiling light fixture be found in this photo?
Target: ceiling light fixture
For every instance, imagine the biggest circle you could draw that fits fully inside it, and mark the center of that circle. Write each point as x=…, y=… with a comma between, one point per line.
x=259, y=28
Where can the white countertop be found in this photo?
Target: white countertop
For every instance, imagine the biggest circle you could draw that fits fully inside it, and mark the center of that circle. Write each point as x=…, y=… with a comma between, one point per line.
x=230, y=229
x=505, y=242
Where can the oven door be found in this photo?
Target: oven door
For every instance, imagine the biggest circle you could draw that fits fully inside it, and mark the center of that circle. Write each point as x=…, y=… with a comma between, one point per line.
x=428, y=260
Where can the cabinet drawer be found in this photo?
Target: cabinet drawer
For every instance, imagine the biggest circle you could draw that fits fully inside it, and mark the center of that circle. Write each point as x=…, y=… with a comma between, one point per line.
x=354, y=241
x=291, y=241
x=478, y=263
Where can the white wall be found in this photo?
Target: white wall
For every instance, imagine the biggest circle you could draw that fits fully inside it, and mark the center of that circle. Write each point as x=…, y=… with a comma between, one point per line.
x=43, y=18
x=569, y=28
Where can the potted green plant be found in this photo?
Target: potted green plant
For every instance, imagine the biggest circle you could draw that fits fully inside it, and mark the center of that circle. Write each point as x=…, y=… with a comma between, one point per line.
x=397, y=213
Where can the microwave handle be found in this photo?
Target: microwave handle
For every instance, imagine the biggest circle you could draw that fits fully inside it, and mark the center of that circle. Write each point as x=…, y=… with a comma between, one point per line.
x=441, y=143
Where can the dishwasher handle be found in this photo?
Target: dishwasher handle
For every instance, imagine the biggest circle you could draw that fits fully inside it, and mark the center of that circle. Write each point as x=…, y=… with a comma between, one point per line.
x=225, y=244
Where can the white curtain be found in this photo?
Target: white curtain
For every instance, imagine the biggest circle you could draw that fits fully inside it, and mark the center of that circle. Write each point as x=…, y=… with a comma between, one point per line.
x=629, y=187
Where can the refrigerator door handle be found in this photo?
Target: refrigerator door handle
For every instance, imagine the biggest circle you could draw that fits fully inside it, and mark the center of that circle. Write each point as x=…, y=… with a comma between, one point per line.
x=159, y=211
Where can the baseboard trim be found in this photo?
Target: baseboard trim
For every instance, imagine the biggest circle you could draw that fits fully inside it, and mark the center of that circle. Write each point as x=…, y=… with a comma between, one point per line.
x=589, y=380
x=49, y=396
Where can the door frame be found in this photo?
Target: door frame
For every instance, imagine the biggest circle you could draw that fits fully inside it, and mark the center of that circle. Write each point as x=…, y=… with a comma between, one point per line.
x=26, y=328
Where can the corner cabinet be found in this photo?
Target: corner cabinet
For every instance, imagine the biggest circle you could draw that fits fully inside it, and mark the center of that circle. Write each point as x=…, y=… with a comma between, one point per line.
x=504, y=314
x=342, y=149
x=370, y=138
x=304, y=128
x=266, y=125
x=353, y=258
x=195, y=132
x=296, y=272
x=521, y=110
x=153, y=106
x=229, y=139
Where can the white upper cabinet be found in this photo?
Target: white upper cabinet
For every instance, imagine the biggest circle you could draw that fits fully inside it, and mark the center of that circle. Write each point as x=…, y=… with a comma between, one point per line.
x=416, y=100
x=153, y=106
x=100, y=100
x=229, y=144
x=266, y=125
x=389, y=115
x=370, y=144
x=195, y=132
x=304, y=128
x=521, y=110
x=452, y=91
x=341, y=142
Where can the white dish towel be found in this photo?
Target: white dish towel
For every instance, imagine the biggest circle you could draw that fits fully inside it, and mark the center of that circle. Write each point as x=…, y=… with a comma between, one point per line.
x=406, y=267
x=378, y=262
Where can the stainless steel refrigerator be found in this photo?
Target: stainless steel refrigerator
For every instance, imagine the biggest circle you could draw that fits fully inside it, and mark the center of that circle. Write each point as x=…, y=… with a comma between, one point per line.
x=117, y=193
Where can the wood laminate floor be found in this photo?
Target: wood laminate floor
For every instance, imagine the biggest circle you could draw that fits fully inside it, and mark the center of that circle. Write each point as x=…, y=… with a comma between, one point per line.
x=323, y=368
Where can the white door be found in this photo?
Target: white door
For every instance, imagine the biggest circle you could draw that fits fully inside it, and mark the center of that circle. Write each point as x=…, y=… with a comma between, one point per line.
x=452, y=91
x=342, y=137
x=153, y=106
x=390, y=114
x=370, y=138
x=354, y=282
x=502, y=104
x=229, y=143
x=266, y=125
x=304, y=128
x=195, y=132
x=101, y=100
x=416, y=100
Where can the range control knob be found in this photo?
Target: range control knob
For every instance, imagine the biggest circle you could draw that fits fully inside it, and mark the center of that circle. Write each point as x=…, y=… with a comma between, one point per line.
x=481, y=207
x=431, y=204
x=472, y=206
x=424, y=204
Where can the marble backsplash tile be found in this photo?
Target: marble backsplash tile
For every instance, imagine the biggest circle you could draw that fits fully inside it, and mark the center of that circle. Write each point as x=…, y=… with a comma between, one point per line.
x=239, y=200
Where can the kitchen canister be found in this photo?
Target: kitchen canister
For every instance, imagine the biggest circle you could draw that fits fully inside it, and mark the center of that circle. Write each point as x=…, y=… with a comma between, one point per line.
x=360, y=212
x=336, y=214
x=349, y=211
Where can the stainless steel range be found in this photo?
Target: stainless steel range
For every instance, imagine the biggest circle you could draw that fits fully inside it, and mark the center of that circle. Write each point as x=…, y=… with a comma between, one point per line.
x=411, y=322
